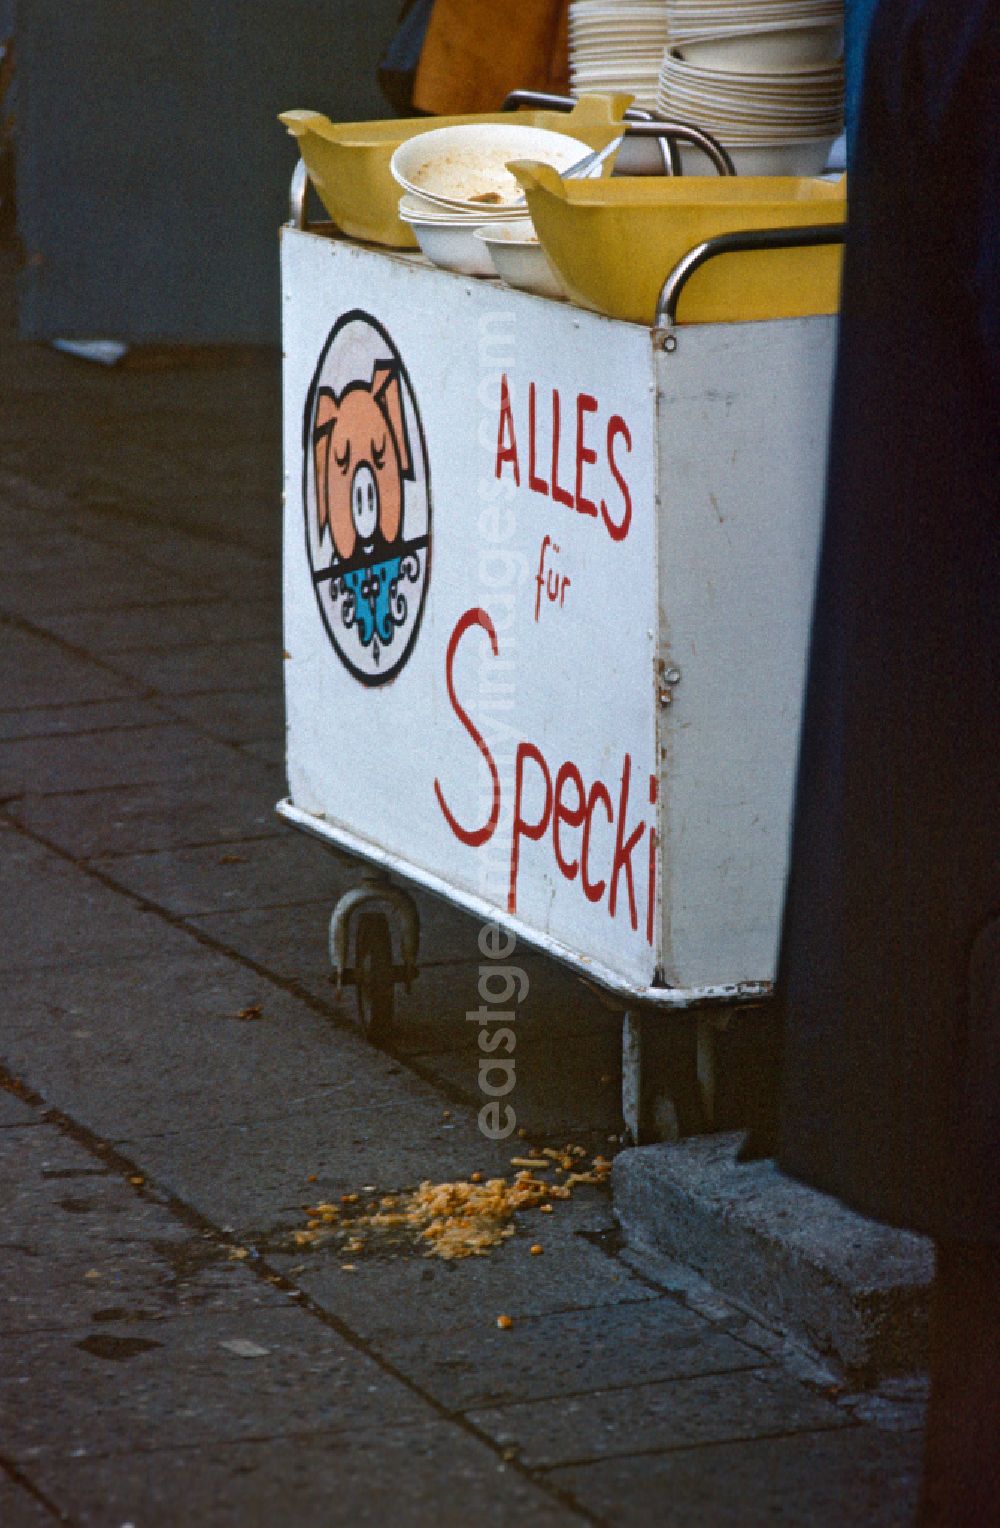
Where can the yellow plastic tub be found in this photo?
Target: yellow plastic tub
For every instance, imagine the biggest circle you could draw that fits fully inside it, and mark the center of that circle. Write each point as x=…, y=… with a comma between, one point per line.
x=613, y=242
x=348, y=162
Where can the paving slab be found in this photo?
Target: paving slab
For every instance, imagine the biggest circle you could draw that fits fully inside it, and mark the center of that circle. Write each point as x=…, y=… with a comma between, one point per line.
x=221, y=566
x=268, y=750
x=439, y=1298
x=262, y=873
x=293, y=940
x=850, y=1287
x=714, y=1408
x=184, y=623
x=21, y=500
x=256, y=1176
x=555, y=1006
x=54, y=914
x=89, y=761
x=68, y=573
x=857, y=1476
x=185, y=1385
x=235, y=716
x=137, y=1047
x=551, y=1357
x=52, y=1183
x=19, y=1509
x=568, y=1086
x=209, y=666
x=155, y=1277
x=429, y=1474
x=220, y=805
x=15, y=1112
x=82, y=1247
x=37, y=671
x=53, y=547
x=90, y=716
x=212, y=465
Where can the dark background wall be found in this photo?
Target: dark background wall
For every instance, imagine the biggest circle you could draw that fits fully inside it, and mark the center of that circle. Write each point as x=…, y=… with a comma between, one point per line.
x=151, y=172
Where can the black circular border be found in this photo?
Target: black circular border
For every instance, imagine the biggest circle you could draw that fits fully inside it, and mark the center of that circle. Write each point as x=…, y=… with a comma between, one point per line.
x=372, y=681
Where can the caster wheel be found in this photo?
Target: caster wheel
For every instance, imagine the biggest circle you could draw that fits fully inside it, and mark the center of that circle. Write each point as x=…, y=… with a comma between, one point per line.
x=375, y=984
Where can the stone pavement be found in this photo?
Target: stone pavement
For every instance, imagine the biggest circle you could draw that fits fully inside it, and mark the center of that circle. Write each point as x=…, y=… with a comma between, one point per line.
x=178, y=1079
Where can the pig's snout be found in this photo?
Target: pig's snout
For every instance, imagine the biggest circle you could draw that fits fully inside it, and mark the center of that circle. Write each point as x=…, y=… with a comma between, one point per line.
x=364, y=502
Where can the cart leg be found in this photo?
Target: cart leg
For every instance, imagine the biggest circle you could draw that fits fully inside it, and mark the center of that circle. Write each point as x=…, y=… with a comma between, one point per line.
x=708, y=1026
x=705, y=1069
x=668, y=1089
x=632, y=1076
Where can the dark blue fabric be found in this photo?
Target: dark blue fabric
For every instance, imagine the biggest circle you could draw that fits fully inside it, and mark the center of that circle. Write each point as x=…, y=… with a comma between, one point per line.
x=890, y=966
x=857, y=21
x=397, y=67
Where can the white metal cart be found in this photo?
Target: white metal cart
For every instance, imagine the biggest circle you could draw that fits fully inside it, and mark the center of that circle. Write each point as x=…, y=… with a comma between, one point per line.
x=547, y=586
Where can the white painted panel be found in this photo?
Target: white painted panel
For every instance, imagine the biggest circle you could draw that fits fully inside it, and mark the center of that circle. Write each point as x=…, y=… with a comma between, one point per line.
x=743, y=428
x=569, y=692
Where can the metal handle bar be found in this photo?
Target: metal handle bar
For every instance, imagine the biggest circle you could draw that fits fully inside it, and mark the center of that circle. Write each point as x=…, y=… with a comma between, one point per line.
x=643, y=124
x=733, y=243
x=297, y=193
x=543, y=100
x=670, y=132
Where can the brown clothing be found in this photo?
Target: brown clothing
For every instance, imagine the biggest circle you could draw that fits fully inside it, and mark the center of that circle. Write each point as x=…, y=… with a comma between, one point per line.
x=477, y=51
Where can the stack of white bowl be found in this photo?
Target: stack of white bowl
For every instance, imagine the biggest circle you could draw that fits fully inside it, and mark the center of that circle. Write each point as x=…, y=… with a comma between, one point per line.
x=617, y=45
x=455, y=181
x=764, y=76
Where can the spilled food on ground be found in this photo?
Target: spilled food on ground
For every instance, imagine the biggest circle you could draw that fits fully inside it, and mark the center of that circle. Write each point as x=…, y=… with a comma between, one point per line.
x=464, y=1218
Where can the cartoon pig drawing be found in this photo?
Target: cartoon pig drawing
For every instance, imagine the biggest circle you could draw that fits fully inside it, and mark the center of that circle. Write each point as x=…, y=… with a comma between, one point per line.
x=362, y=460
x=367, y=499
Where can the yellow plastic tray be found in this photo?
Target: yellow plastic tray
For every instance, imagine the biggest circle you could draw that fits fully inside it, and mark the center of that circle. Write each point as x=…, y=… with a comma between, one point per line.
x=348, y=162
x=614, y=241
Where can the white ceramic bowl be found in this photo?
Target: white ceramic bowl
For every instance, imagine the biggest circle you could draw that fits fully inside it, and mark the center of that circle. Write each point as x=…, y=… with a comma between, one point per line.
x=639, y=156
x=804, y=156
x=417, y=209
x=453, y=246
x=519, y=259
x=465, y=167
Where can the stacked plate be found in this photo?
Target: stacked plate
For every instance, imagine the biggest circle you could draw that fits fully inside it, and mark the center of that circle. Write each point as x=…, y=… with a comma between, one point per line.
x=617, y=45
x=764, y=76
x=757, y=33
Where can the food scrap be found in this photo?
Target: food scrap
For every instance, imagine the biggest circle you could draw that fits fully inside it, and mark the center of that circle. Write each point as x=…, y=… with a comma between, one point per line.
x=464, y=1218
x=504, y=1323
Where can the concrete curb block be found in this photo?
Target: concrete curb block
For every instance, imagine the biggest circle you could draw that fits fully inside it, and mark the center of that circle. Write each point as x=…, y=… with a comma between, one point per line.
x=851, y=1289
